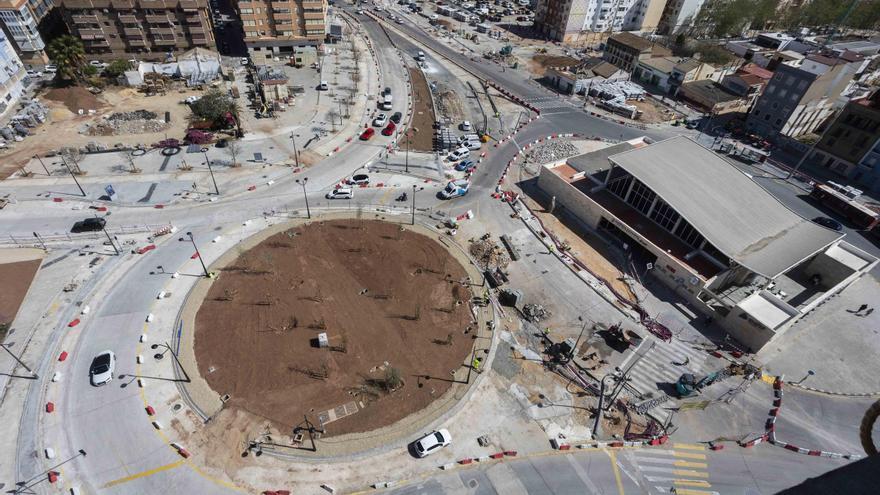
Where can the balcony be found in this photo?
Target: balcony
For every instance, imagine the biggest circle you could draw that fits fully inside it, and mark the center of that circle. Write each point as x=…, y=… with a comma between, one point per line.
x=313, y=15
x=98, y=44
x=200, y=41
x=310, y=4
x=133, y=32
x=128, y=19
x=281, y=17
x=139, y=42
x=91, y=34
x=123, y=4
x=164, y=42
x=157, y=19
x=197, y=29
x=84, y=19
x=161, y=31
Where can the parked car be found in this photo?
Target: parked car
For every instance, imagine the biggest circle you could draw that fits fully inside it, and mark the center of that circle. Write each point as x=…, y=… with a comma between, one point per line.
x=50, y=69
x=323, y=86
x=396, y=117
x=829, y=223
x=432, y=442
x=34, y=73
x=243, y=61
x=358, y=179
x=88, y=225
x=473, y=145
x=97, y=63
x=389, y=130
x=221, y=143
x=465, y=126
x=459, y=154
x=101, y=371
x=464, y=165
x=192, y=99
x=380, y=120
x=367, y=134
x=340, y=193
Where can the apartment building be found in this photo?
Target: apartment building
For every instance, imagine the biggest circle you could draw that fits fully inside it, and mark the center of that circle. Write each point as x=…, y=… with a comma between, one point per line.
x=797, y=99
x=149, y=29
x=276, y=28
x=625, y=50
x=20, y=19
x=678, y=15
x=12, y=74
x=584, y=21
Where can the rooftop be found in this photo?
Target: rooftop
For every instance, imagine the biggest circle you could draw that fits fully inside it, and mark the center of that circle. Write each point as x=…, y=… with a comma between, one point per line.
x=661, y=64
x=756, y=70
x=711, y=91
x=633, y=41
x=726, y=206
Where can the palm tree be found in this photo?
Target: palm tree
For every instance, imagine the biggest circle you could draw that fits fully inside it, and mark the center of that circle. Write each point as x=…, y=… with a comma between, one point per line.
x=68, y=54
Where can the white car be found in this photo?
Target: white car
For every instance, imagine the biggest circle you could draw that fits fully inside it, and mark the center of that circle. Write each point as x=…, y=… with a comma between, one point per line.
x=381, y=120
x=34, y=73
x=243, y=61
x=358, y=179
x=474, y=145
x=340, y=193
x=50, y=69
x=432, y=442
x=101, y=371
x=97, y=63
x=192, y=99
x=459, y=154
x=465, y=126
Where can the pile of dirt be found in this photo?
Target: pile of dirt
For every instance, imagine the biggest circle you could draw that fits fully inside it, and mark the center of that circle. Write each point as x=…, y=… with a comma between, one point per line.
x=488, y=253
x=393, y=304
x=17, y=277
x=423, y=114
x=75, y=98
x=547, y=61
x=448, y=103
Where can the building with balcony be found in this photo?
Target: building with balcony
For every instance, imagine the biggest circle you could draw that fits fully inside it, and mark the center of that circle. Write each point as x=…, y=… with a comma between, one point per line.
x=144, y=29
x=695, y=222
x=20, y=20
x=12, y=74
x=275, y=28
x=625, y=50
x=587, y=21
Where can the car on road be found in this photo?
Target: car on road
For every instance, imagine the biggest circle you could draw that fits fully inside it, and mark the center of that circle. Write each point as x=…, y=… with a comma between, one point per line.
x=829, y=223
x=340, y=193
x=396, y=117
x=367, y=134
x=432, y=442
x=358, y=179
x=389, y=129
x=464, y=165
x=101, y=370
x=88, y=225
x=459, y=154
x=380, y=120
x=323, y=86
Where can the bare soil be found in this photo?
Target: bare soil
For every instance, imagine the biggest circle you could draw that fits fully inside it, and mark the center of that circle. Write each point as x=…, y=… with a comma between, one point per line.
x=423, y=114
x=654, y=112
x=17, y=278
x=386, y=298
x=539, y=63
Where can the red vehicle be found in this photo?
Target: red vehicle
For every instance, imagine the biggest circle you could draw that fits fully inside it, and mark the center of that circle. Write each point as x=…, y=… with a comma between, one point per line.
x=367, y=134
x=389, y=129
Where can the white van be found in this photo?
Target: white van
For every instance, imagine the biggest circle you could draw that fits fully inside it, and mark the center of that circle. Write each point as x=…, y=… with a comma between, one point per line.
x=323, y=86
x=341, y=193
x=386, y=102
x=459, y=154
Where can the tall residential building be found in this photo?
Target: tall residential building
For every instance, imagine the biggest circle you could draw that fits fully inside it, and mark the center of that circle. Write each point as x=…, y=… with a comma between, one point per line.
x=625, y=50
x=147, y=28
x=20, y=19
x=272, y=28
x=798, y=99
x=851, y=145
x=576, y=21
x=12, y=74
x=679, y=15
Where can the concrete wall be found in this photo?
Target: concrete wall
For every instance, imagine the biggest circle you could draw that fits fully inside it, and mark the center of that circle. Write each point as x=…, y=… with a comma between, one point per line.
x=746, y=330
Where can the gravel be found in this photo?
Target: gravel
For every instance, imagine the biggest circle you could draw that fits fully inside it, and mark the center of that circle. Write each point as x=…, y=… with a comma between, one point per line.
x=552, y=150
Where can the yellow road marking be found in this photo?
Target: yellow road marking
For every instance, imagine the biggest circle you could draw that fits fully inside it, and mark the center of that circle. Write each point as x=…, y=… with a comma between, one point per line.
x=688, y=472
x=688, y=446
x=768, y=378
x=688, y=464
x=688, y=491
x=700, y=483
x=144, y=474
x=617, y=479
x=689, y=455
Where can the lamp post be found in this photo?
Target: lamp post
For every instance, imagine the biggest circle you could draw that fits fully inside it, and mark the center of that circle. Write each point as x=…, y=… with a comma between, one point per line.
x=802, y=380
x=599, y=409
x=408, y=135
x=41, y=241
x=6, y=348
x=295, y=151
x=73, y=175
x=198, y=254
x=211, y=171
x=306, y=196
x=173, y=354
x=43, y=164
x=24, y=486
x=104, y=228
x=413, y=208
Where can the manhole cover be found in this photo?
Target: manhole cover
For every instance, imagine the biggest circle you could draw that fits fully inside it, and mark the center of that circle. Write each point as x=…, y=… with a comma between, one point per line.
x=473, y=483
x=176, y=407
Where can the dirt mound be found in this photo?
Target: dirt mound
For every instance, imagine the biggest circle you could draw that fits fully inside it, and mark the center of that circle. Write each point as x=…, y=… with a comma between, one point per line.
x=554, y=61
x=75, y=98
x=390, y=301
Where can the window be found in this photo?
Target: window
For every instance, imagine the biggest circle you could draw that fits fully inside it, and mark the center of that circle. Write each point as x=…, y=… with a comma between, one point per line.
x=664, y=215
x=641, y=197
x=689, y=234
x=778, y=121
x=620, y=185
x=249, y=22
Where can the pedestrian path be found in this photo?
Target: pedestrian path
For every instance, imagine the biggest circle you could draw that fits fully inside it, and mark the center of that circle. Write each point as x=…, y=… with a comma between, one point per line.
x=683, y=469
x=656, y=360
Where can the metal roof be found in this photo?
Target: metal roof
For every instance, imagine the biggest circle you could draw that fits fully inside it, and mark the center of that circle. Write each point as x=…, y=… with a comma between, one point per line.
x=726, y=206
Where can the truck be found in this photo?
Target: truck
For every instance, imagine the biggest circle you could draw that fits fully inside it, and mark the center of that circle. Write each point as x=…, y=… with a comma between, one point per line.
x=455, y=188
x=386, y=102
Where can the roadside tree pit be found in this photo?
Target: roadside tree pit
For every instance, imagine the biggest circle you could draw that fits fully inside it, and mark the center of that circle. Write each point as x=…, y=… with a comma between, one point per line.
x=354, y=324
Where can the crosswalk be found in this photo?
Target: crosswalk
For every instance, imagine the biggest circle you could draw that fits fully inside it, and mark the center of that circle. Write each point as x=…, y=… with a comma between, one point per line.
x=683, y=469
x=549, y=102
x=655, y=363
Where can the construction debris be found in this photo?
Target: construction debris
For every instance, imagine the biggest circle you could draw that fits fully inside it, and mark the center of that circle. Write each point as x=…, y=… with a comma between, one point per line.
x=119, y=123
x=535, y=312
x=555, y=149
x=488, y=253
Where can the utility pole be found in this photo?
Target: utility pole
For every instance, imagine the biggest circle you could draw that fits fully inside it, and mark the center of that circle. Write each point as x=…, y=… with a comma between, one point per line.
x=295, y=152
x=73, y=175
x=211, y=171
x=413, y=208
x=306, y=196
x=6, y=348
x=41, y=241
x=43, y=164
x=104, y=228
x=198, y=254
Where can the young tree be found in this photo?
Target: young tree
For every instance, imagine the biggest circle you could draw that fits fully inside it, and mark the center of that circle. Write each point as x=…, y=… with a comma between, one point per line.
x=116, y=68
x=333, y=114
x=233, y=149
x=214, y=106
x=68, y=55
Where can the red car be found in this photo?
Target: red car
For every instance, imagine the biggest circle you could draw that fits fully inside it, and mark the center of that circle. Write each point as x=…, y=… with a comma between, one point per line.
x=389, y=129
x=367, y=134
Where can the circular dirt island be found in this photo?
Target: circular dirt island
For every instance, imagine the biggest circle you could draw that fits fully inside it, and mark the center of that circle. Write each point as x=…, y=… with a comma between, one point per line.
x=394, y=305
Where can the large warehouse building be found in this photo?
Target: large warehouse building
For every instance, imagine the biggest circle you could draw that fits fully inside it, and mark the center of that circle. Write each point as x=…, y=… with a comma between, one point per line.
x=708, y=231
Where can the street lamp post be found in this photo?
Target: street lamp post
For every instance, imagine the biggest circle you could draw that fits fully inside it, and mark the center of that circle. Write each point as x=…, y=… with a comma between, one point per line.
x=41, y=241
x=6, y=348
x=597, y=424
x=103, y=228
x=408, y=135
x=25, y=486
x=198, y=254
x=211, y=171
x=295, y=151
x=73, y=175
x=413, y=208
x=174, y=355
x=802, y=380
x=306, y=196
x=43, y=164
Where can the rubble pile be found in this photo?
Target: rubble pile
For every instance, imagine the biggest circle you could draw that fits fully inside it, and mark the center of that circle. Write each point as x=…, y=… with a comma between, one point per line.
x=489, y=254
x=136, y=122
x=32, y=115
x=555, y=149
x=535, y=312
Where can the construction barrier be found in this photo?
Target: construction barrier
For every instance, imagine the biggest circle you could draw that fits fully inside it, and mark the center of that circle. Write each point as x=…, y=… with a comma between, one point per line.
x=62, y=356
x=50, y=407
x=150, y=411
x=73, y=323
